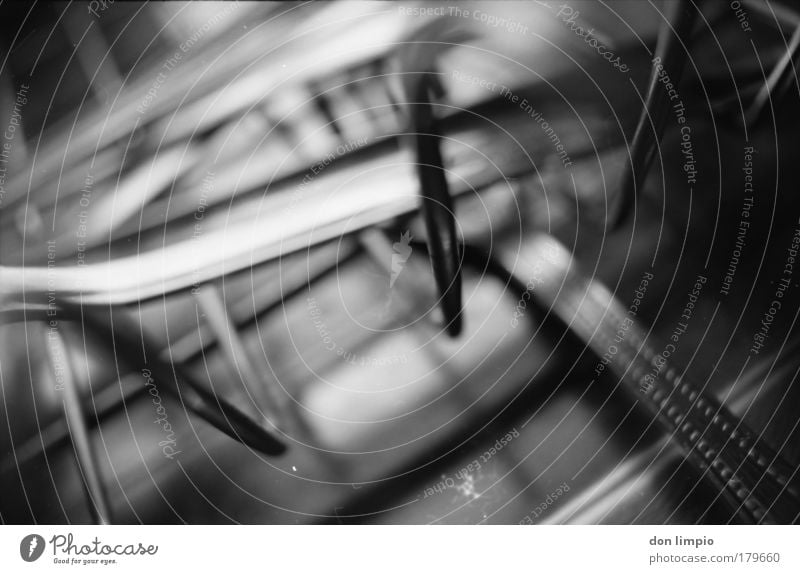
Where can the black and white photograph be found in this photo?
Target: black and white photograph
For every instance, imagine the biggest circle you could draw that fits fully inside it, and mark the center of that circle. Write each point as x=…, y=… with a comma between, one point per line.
x=350, y=276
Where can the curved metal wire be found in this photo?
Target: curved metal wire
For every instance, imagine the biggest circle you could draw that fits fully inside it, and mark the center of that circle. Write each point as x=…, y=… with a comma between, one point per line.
x=420, y=84
x=669, y=62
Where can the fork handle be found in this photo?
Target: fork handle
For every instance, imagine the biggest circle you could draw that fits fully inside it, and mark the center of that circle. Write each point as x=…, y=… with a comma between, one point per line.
x=753, y=478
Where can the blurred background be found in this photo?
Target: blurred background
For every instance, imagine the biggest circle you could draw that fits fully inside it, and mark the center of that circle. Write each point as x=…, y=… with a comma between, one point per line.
x=248, y=167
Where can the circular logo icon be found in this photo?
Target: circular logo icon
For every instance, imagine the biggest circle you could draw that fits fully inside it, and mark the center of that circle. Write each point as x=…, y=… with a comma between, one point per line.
x=31, y=547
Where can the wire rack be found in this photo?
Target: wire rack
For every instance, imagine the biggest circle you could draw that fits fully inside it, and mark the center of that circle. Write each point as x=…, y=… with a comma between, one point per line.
x=197, y=200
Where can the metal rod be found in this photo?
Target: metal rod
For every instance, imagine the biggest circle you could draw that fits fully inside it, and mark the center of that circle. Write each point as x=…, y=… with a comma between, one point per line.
x=437, y=208
x=268, y=401
x=107, y=401
x=755, y=481
x=121, y=333
x=286, y=223
x=420, y=84
x=298, y=56
x=772, y=11
x=778, y=81
x=669, y=62
x=76, y=421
